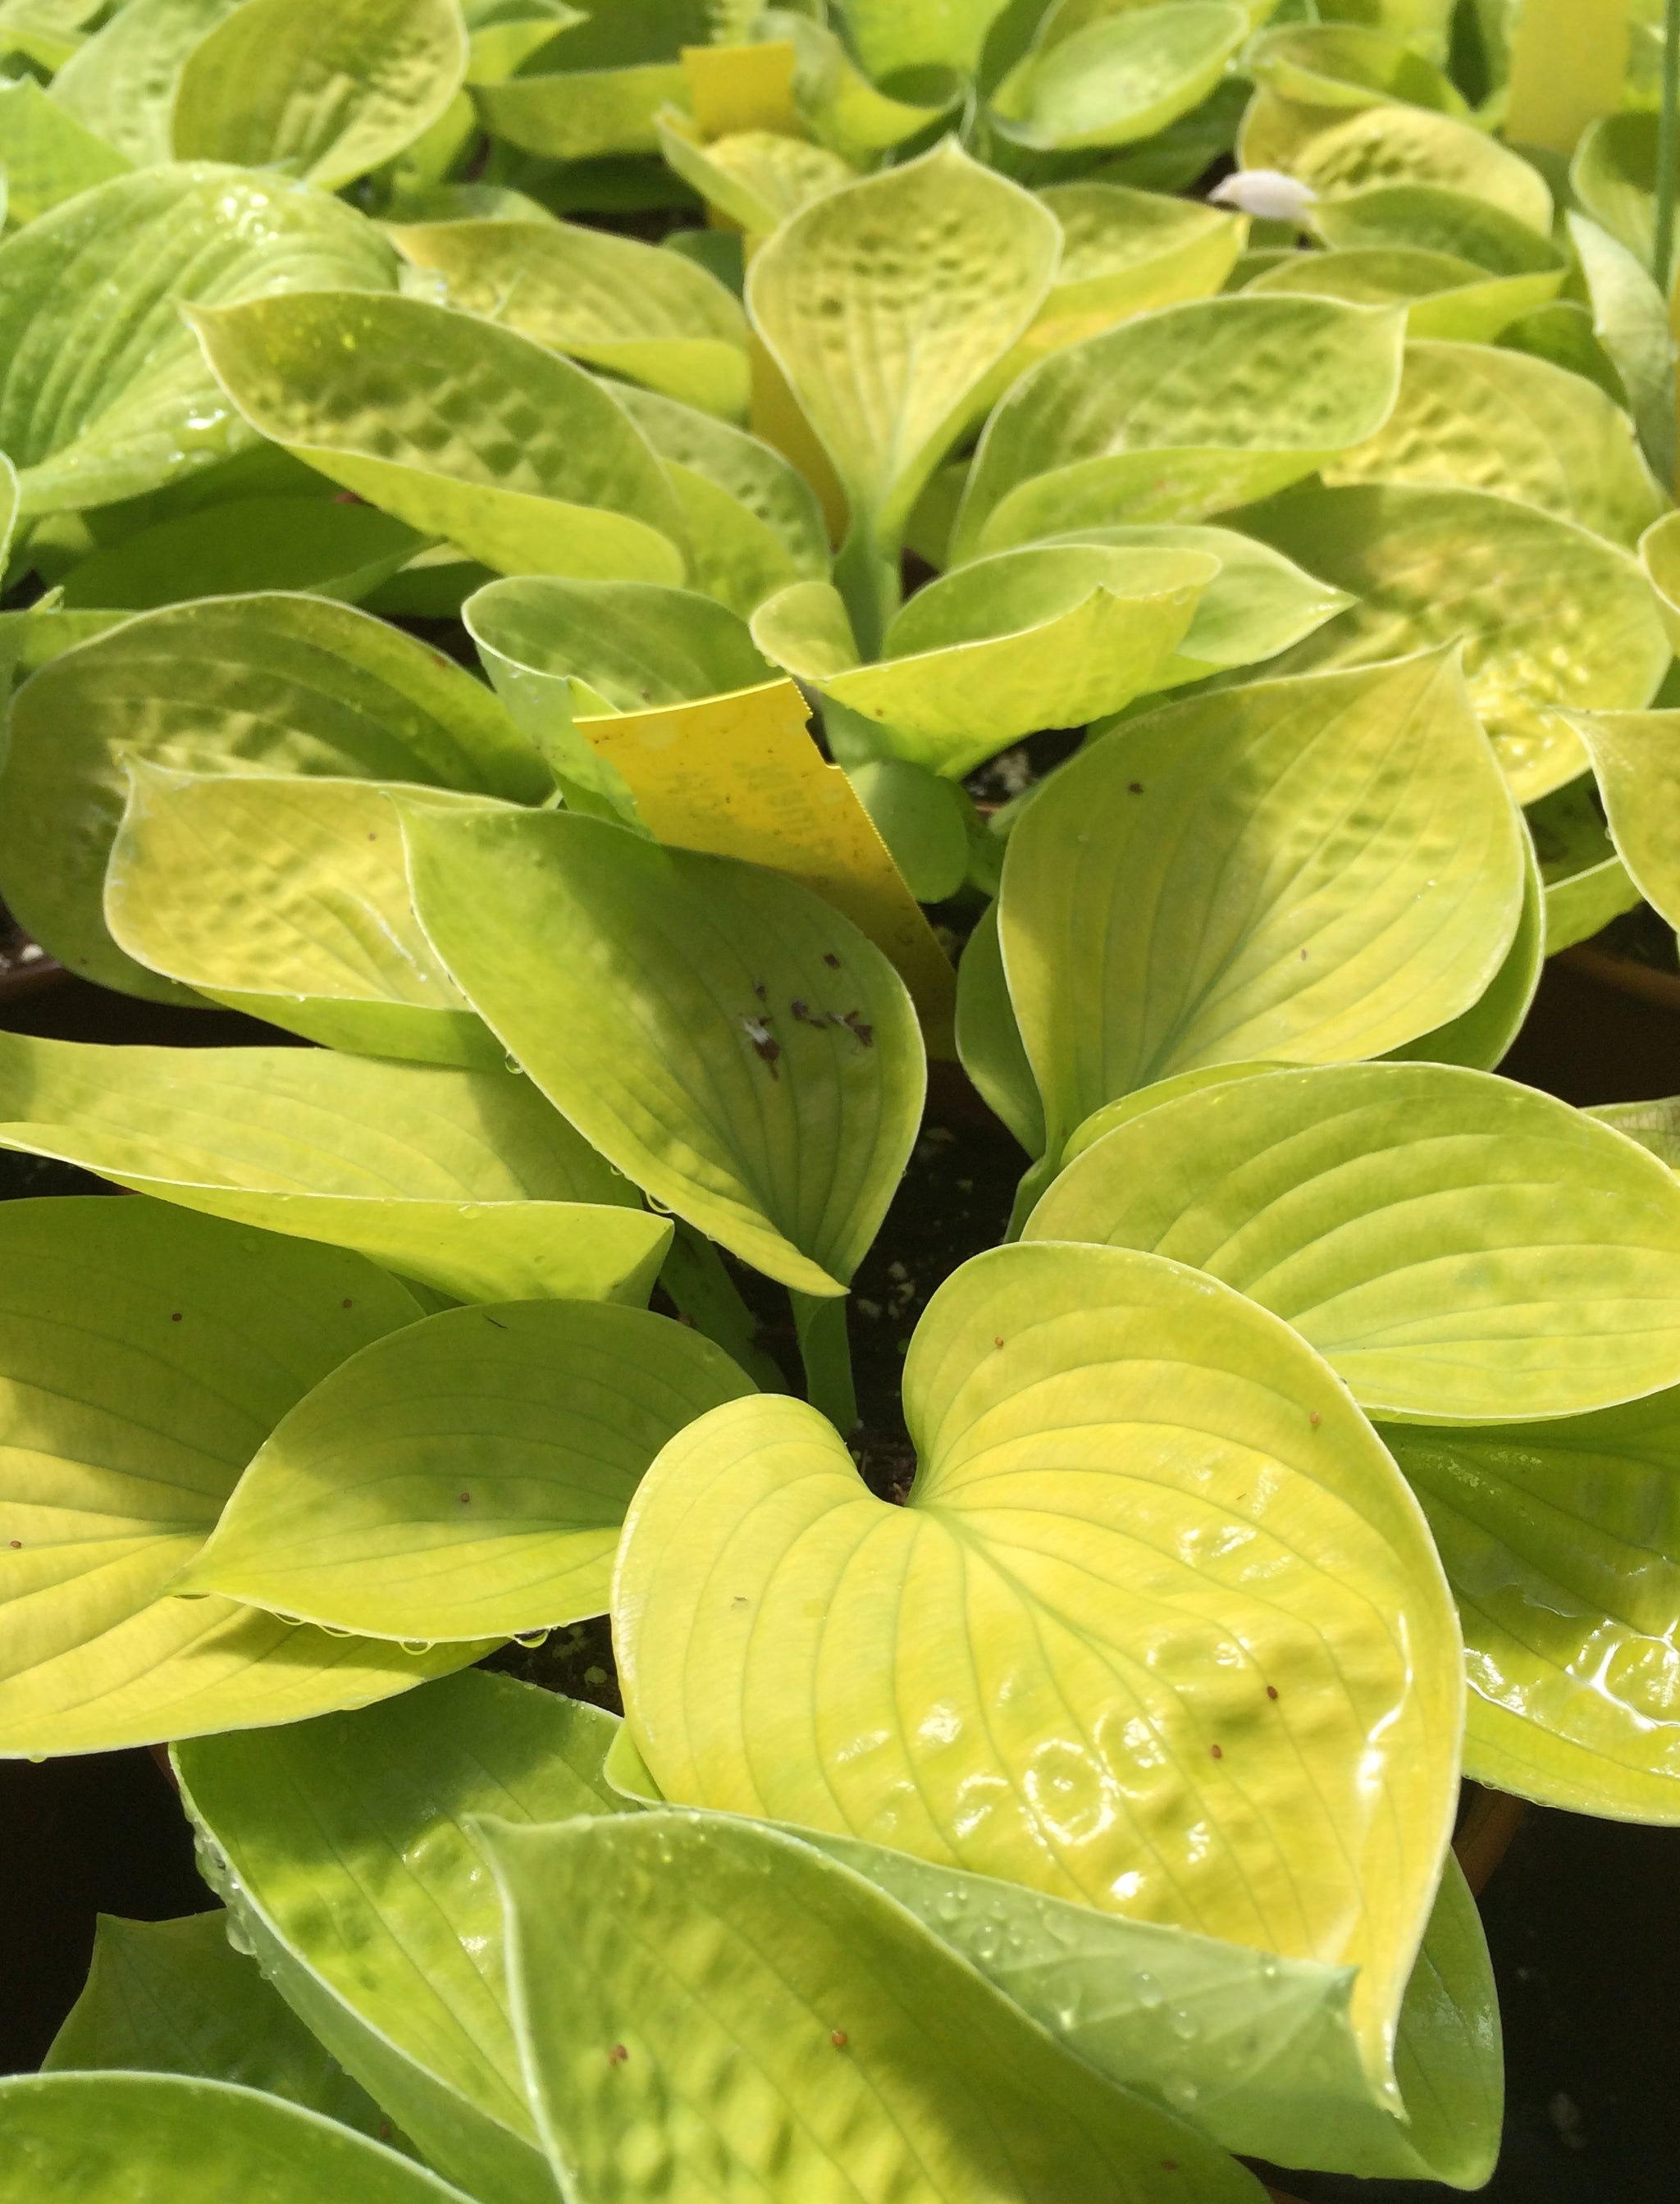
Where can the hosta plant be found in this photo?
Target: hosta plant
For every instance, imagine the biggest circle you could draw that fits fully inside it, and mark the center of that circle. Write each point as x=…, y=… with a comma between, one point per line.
x=631, y=583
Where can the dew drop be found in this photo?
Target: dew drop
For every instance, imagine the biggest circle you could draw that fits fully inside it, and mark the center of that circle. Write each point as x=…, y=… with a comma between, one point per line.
x=238, y=1938
x=1150, y=1995
x=1181, y=2092
x=530, y=1640
x=1185, y=2024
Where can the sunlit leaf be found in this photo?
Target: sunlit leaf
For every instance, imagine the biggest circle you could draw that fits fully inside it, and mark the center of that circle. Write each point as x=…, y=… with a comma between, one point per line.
x=1120, y=77
x=110, y=2138
x=1339, y=153
x=1057, y=1639
x=496, y=443
x=1636, y=759
x=104, y=392
x=466, y=1181
x=347, y=1850
x=1046, y=636
x=148, y=1355
x=733, y=1044
x=863, y=2059
x=755, y=177
x=1472, y=418
x=269, y=683
x=321, y=89
x=174, y=1997
x=651, y=316
x=839, y=105
x=1436, y=1233
x=1558, y=1541
x=1445, y=297
x=1257, y=2049
x=1348, y=65
x=945, y=266
x=1551, y=618
x=888, y=36
x=583, y=113
x=1309, y=869
x=1483, y=1035
x=466, y=1477
x=1179, y=415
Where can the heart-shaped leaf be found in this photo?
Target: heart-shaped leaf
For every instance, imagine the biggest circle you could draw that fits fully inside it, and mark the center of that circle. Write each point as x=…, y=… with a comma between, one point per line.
x=466, y=1477
x=1558, y=1539
x=754, y=523
x=321, y=89
x=1076, y=1677
x=466, y=1181
x=148, y=1354
x=1551, y=618
x=1222, y=883
x=1587, y=884
x=120, y=86
x=1257, y=2048
x=348, y=1854
x=104, y=2138
x=1049, y=635
x=1636, y=759
x=639, y=312
x=303, y=544
x=174, y=1997
x=864, y=2059
x=104, y=392
x=945, y=266
x=1180, y=414
x=271, y=683
x=736, y=1046
x=1337, y=153
x=1119, y=77
x=498, y=445
x=1470, y=416
x=47, y=154
x=1436, y=1233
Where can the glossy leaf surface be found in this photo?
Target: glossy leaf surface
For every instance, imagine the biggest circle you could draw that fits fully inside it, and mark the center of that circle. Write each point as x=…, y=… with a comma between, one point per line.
x=1560, y=1542
x=47, y=154
x=863, y=2059
x=732, y=1044
x=466, y=1477
x=1269, y=873
x=466, y=1181
x=149, y=1355
x=647, y=315
x=1061, y=1528
x=365, y=1891
x=121, y=85
x=104, y=392
x=1551, y=618
x=1179, y=415
x=1461, y=1249
x=495, y=442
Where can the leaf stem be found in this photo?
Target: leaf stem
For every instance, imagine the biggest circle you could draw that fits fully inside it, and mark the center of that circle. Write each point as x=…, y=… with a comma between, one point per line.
x=1668, y=146
x=694, y=1276
x=821, y=1324
x=870, y=583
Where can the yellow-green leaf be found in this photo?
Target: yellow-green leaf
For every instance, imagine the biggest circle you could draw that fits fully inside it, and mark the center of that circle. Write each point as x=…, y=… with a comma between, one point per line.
x=1587, y=883
x=1119, y=77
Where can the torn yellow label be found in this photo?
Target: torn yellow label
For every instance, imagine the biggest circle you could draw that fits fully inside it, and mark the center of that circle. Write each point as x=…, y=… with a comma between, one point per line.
x=739, y=776
x=734, y=88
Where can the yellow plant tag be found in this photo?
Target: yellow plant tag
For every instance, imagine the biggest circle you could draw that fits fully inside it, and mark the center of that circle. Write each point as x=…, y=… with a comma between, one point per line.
x=734, y=88
x=739, y=776
x=1568, y=59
